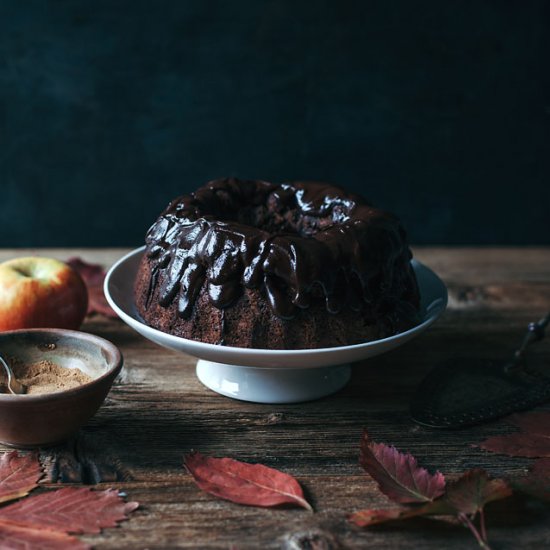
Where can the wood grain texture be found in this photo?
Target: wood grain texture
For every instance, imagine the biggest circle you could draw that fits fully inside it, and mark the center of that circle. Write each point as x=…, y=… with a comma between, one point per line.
x=157, y=411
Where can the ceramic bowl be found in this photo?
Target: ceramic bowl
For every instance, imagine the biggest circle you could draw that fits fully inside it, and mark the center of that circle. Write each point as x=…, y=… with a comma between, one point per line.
x=39, y=420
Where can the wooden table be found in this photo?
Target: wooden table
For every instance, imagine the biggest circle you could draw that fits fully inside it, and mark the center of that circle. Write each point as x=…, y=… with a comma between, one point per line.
x=157, y=411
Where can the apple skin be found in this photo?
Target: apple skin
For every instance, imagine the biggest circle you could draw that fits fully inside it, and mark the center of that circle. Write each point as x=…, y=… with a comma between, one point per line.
x=37, y=292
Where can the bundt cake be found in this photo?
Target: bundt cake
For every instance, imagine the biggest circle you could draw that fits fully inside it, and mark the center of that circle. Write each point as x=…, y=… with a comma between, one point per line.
x=258, y=265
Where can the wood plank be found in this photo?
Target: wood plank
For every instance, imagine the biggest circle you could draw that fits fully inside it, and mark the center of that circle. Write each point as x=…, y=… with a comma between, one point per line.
x=158, y=410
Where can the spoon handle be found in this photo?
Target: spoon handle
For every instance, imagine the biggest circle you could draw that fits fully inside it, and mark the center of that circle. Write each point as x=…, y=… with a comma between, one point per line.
x=535, y=332
x=14, y=387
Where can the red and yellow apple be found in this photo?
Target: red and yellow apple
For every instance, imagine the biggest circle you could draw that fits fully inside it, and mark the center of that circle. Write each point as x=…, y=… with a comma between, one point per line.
x=41, y=292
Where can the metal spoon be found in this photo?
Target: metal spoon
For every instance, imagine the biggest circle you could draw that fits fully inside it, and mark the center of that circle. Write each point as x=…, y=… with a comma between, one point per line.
x=14, y=387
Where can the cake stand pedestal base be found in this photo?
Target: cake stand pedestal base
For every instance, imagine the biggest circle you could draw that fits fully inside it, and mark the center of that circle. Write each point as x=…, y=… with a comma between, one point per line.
x=275, y=385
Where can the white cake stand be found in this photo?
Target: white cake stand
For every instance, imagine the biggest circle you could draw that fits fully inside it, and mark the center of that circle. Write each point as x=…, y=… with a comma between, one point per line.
x=270, y=376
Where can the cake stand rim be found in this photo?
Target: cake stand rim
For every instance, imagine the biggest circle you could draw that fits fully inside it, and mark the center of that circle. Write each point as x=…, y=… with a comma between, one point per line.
x=432, y=312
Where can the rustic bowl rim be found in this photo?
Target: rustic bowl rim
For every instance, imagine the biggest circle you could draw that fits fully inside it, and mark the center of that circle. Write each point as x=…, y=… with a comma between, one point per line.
x=113, y=369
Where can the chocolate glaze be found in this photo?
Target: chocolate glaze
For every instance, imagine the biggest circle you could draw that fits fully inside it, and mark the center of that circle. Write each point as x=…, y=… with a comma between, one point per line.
x=299, y=243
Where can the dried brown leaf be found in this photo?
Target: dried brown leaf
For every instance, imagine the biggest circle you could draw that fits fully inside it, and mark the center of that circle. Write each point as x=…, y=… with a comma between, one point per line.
x=537, y=482
x=398, y=475
x=365, y=518
x=250, y=484
x=471, y=492
x=44, y=521
x=93, y=275
x=69, y=510
x=17, y=537
x=532, y=442
x=19, y=474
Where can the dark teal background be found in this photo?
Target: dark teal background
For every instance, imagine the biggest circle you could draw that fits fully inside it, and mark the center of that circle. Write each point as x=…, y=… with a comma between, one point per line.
x=438, y=111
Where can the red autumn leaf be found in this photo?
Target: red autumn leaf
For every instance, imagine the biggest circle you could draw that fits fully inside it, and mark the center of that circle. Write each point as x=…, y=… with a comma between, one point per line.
x=537, y=482
x=69, y=510
x=16, y=537
x=398, y=475
x=93, y=275
x=19, y=474
x=44, y=521
x=250, y=484
x=401, y=479
x=532, y=442
x=468, y=495
x=364, y=518
x=471, y=492
x=533, y=422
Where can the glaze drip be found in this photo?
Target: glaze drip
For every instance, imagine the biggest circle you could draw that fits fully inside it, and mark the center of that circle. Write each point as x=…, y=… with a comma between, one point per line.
x=299, y=243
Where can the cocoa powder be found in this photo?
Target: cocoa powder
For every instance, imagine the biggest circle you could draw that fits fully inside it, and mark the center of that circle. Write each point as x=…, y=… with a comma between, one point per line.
x=46, y=377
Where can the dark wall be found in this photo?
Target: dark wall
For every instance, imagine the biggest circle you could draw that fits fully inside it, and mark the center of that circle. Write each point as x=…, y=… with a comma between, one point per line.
x=438, y=111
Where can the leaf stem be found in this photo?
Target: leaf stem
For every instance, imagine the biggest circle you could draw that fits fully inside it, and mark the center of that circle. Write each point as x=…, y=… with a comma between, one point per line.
x=467, y=522
x=482, y=526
